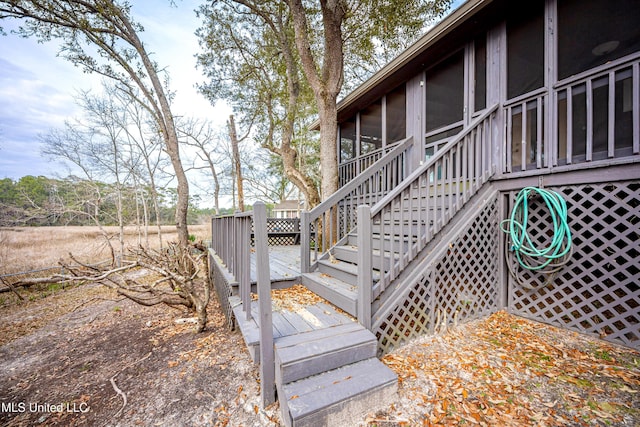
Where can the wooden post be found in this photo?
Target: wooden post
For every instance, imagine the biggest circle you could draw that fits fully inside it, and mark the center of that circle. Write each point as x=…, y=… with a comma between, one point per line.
x=365, y=265
x=305, y=240
x=245, y=263
x=267, y=362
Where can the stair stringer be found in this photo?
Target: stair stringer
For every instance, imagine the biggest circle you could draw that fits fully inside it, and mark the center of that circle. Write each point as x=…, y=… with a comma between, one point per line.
x=409, y=306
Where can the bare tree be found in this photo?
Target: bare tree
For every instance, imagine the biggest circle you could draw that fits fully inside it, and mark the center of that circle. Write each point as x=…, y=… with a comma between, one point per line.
x=96, y=155
x=106, y=127
x=202, y=136
x=237, y=165
x=146, y=164
x=115, y=51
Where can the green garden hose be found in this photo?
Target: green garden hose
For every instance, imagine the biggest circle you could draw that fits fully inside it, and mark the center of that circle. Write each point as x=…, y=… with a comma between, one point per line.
x=547, y=260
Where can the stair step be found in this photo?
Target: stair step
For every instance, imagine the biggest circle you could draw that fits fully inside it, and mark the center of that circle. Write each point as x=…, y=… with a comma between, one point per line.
x=345, y=271
x=340, y=397
x=349, y=253
x=339, y=293
x=303, y=355
x=400, y=245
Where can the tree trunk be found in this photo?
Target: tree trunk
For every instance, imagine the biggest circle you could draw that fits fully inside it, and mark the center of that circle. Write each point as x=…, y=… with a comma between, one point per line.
x=216, y=191
x=166, y=123
x=182, y=204
x=328, y=147
x=233, y=135
x=325, y=80
x=300, y=180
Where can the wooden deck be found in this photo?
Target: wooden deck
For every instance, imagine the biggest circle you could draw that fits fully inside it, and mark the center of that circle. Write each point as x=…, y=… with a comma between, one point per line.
x=284, y=265
x=318, y=361
x=287, y=322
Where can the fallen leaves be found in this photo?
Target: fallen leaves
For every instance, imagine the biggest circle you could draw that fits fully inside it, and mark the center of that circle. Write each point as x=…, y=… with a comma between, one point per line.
x=505, y=370
x=293, y=298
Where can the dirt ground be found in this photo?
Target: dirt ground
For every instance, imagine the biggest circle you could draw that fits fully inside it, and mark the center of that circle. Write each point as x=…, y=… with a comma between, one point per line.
x=84, y=356
x=71, y=358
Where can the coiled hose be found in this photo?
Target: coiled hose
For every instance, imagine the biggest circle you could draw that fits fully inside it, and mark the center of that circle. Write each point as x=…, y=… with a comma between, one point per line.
x=548, y=260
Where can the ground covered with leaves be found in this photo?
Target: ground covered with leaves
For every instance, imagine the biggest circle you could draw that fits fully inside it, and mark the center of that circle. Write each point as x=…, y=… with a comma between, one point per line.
x=97, y=359
x=508, y=371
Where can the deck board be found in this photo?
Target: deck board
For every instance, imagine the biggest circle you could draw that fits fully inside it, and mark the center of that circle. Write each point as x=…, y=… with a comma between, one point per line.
x=284, y=263
x=288, y=323
x=298, y=322
x=325, y=317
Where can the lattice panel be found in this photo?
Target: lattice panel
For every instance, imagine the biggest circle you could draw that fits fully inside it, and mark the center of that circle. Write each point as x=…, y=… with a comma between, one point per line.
x=461, y=284
x=467, y=278
x=223, y=290
x=280, y=225
x=280, y=232
x=413, y=317
x=598, y=291
x=283, y=240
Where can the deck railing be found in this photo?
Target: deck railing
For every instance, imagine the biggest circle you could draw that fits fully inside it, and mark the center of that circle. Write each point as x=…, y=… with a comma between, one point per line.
x=333, y=219
x=232, y=238
x=351, y=168
x=611, y=98
x=409, y=216
x=595, y=116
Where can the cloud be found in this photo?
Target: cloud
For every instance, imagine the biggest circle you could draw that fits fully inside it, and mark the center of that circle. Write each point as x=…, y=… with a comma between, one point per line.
x=37, y=87
x=29, y=107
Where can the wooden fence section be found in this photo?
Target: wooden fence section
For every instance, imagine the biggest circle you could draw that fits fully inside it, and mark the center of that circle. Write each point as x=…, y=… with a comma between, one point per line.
x=230, y=265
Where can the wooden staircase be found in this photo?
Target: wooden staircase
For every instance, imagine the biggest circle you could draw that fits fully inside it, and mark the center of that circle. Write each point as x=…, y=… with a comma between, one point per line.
x=357, y=248
x=326, y=369
x=336, y=277
x=331, y=376
x=374, y=229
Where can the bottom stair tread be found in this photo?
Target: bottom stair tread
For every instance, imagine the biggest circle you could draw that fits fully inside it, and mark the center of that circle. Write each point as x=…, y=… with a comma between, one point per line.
x=336, y=397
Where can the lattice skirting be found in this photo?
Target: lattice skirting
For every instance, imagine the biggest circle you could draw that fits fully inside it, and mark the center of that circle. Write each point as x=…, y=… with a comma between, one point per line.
x=598, y=291
x=223, y=289
x=459, y=282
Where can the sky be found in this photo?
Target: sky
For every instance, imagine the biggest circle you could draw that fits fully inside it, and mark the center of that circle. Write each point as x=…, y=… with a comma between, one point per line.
x=37, y=88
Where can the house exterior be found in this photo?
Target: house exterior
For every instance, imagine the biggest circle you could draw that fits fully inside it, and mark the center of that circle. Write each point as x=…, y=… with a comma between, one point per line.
x=433, y=151
x=287, y=209
x=566, y=87
x=548, y=93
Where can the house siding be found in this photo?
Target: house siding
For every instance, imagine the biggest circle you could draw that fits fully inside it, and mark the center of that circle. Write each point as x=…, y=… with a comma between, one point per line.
x=599, y=180
x=509, y=155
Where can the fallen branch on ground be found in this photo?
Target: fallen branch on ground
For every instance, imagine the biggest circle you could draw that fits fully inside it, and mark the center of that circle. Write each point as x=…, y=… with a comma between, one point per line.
x=120, y=392
x=173, y=277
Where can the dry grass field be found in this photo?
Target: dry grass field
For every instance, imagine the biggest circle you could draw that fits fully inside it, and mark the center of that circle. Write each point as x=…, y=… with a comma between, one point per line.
x=31, y=248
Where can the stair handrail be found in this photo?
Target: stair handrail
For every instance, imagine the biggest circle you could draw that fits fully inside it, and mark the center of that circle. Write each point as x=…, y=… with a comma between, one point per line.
x=474, y=143
x=391, y=160
x=432, y=160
